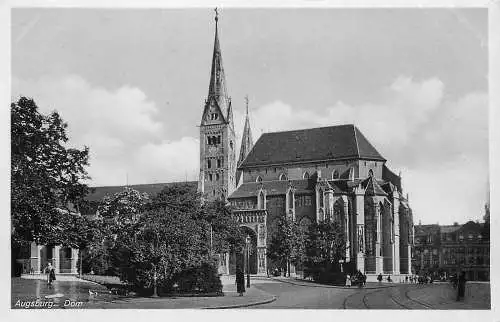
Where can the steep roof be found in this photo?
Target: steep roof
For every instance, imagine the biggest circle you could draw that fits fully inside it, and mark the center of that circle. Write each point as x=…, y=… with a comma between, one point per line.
x=151, y=189
x=217, y=86
x=246, y=140
x=372, y=187
x=316, y=144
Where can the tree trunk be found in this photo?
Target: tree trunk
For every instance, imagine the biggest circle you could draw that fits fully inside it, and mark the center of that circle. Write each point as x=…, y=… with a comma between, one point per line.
x=288, y=267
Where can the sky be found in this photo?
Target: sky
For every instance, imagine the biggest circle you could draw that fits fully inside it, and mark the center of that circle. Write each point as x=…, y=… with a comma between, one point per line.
x=131, y=84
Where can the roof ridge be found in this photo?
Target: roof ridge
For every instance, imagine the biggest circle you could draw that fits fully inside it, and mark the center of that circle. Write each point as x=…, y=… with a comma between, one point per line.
x=306, y=129
x=356, y=139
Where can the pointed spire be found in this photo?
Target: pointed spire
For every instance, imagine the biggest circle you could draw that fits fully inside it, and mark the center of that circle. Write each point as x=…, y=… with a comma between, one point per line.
x=217, y=87
x=246, y=140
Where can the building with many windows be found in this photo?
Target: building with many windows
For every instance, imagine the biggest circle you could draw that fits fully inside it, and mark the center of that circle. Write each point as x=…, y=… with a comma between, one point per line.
x=446, y=250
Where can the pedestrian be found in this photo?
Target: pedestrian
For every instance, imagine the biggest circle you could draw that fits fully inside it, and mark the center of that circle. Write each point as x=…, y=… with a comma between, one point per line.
x=364, y=279
x=348, y=280
x=389, y=278
x=406, y=279
x=240, y=281
x=379, y=278
x=51, y=273
x=461, y=286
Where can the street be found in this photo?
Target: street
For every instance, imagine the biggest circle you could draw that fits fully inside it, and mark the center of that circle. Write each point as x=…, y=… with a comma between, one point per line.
x=305, y=295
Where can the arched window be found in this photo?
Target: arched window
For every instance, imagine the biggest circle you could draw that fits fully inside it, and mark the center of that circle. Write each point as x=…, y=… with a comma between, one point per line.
x=209, y=163
x=283, y=177
x=259, y=179
x=335, y=174
x=370, y=173
x=210, y=177
x=321, y=197
x=306, y=175
x=231, y=145
x=217, y=176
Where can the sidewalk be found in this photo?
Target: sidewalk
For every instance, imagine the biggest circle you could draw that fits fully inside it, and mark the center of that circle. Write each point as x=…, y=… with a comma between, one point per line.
x=77, y=291
x=231, y=299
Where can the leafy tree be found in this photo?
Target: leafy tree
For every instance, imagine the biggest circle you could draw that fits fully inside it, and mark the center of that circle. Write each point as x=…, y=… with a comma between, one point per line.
x=46, y=175
x=325, y=246
x=287, y=244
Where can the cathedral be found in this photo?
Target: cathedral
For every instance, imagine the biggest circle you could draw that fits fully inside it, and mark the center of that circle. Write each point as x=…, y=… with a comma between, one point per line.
x=309, y=175
x=329, y=173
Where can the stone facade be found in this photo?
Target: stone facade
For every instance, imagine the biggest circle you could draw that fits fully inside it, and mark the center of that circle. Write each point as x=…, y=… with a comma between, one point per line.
x=331, y=173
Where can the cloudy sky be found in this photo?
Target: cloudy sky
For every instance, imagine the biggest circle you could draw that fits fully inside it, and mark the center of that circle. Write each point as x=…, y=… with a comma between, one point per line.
x=131, y=84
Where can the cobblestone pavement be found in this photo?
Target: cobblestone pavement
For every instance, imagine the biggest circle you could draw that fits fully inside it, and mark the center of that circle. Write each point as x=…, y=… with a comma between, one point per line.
x=264, y=294
x=400, y=296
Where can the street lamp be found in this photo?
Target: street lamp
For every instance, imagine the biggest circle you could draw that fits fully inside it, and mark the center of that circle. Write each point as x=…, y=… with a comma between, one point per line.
x=341, y=261
x=155, y=277
x=248, y=260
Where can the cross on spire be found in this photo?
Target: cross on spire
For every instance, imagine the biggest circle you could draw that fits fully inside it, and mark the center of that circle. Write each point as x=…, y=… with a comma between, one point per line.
x=216, y=15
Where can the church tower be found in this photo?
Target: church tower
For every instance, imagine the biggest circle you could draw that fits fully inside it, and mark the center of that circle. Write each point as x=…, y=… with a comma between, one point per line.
x=217, y=138
x=246, y=140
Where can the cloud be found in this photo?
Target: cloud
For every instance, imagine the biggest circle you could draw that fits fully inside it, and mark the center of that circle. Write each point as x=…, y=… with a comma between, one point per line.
x=118, y=125
x=441, y=145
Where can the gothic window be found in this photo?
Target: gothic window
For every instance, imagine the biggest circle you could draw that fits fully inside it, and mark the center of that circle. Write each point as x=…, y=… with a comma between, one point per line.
x=218, y=139
x=231, y=145
x=370, y=173
x=306, y=175
x=213, y=192
x=259, y=179
x=209, y=163
x=335, y=174
x=209, y=140
x=321, y=201
x=219, y=163
x=217, y=177
x=210, y=177
x=283, y=177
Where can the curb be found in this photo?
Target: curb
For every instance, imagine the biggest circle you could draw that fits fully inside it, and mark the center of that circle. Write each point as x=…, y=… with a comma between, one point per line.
x=235, y=306
x=332, y=286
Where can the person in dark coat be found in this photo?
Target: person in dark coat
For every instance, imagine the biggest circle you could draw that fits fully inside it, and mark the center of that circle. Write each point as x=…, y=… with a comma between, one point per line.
x=379, y=278
x=51, y=273
x=240, y=281
x=461, y=286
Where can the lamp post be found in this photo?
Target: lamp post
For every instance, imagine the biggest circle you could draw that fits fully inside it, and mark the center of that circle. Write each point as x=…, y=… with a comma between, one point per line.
x=341, y=262
x=155, y=277
x=248, y=260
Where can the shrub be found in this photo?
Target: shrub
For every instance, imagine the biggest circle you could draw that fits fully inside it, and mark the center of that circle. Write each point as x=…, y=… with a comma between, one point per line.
x=201, y=279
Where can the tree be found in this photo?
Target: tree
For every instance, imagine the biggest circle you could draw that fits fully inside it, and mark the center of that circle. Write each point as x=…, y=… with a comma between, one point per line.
x=46, y=175
x=325, y=246
x=287, y=244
